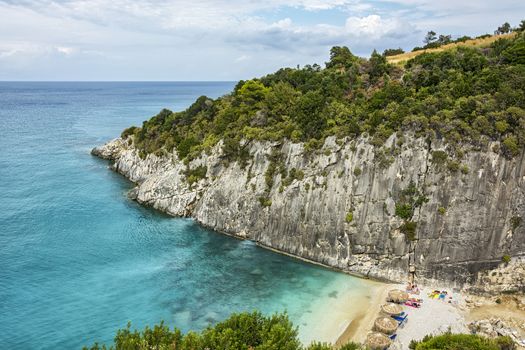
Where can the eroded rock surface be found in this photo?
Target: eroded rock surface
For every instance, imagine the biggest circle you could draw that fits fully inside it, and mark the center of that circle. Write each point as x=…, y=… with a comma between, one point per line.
x=468, y=222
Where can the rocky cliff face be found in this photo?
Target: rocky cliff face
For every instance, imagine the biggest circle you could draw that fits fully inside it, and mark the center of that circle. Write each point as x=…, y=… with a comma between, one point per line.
x=469, y=220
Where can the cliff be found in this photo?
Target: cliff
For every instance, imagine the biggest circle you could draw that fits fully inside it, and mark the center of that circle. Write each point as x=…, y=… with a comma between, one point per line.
x=341, y=210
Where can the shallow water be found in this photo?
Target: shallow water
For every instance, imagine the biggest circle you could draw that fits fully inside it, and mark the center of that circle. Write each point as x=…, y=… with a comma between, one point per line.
x=78, y=260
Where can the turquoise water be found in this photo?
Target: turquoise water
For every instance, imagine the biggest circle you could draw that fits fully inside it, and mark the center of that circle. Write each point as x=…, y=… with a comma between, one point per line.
x=78, y=260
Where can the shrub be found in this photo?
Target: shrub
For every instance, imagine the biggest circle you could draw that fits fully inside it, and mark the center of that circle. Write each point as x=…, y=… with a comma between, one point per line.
x=349, y=217
x=464, y=169
x=265, y=201
x=510, y=145
x=319, y=346
x=506, y=259
x=357, y=171
x=442, y=210
x=450, y=341
x=352, y=346
x=409, y=229
x=404, y=211
x=241, y=331
x=439, y=157
x=393, y=52
x=196, y=174
x=515, y=221
x=128, y=132
x=453, y=166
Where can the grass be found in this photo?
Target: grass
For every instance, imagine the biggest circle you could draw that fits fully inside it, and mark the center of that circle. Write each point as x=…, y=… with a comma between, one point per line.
x=402, y=58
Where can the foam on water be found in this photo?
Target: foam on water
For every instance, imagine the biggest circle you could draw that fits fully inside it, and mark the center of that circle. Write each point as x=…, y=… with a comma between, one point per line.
x=78, y=259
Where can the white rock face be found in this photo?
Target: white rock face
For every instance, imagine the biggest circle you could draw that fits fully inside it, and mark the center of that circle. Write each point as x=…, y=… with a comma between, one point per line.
x=307, y=218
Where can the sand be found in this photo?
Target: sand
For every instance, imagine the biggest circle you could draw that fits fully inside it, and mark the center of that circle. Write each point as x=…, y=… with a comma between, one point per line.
x=434, y=317
x=332, y=317
x=358, y=328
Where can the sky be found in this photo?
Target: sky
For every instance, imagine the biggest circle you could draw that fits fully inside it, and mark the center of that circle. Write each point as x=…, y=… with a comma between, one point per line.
x=169, y=40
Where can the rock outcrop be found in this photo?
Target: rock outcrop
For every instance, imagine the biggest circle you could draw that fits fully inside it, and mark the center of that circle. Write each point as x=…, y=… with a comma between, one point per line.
x=494, y=327
x=341, y=210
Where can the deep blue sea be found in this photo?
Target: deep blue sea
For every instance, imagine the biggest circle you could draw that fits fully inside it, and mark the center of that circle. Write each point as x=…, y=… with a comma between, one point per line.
x=78, y=259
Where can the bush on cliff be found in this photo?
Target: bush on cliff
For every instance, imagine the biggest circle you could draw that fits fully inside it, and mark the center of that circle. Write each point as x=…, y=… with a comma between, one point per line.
x=241, y=331
x=465, y=96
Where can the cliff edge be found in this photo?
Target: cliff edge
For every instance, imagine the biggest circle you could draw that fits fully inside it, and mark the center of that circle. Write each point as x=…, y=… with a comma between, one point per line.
x=350, y=207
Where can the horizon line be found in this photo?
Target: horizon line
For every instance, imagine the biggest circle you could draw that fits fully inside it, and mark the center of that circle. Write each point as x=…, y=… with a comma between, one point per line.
x=118, y=81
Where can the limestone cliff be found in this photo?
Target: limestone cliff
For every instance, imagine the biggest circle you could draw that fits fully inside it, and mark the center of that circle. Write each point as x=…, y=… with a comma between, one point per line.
x=468, y=221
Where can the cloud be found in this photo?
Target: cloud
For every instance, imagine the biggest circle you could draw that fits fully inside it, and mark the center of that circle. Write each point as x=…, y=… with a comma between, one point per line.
x=242, y=58
x=208, y=39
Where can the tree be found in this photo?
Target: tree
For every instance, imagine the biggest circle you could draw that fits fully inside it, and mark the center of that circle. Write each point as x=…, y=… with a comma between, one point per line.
x=340, y=57
x=393, y=52
x=242, y=331
x=521, y=27
x=430, y=37
x=503, y=29
x=378, y=66
x=444, y=39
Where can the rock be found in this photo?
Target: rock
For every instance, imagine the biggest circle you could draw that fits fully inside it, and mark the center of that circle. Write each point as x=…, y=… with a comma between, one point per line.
x=495, y=327
x=110, y=150
x=308, y=218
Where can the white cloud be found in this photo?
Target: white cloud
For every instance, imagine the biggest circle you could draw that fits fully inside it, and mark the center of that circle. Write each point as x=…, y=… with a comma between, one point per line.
x=375, y=27
x=203, y=39
x=67, y=51
x=242, y=58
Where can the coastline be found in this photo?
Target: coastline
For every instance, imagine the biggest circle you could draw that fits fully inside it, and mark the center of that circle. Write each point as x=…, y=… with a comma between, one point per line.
x=344, y=313
x=357, y=329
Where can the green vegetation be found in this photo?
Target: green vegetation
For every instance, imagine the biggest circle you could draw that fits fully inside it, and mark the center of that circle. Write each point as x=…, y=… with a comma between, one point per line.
x=409, y=229
x=196, y=174
x=450, y=341
x=349, y=217
x=240, y=331
x=393, y=52
x=465, y=96
x=439, y=157
x=442, y=210
x=357, y=171
x=506, y=258
x=515, y=221
x=409, y=199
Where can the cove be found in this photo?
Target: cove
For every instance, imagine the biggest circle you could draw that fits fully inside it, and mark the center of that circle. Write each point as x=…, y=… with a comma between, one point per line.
x=79, y=259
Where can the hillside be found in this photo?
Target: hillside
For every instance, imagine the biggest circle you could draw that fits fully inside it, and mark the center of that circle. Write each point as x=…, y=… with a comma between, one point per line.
x=361, y=165
x=481, y=42
x=464, y=95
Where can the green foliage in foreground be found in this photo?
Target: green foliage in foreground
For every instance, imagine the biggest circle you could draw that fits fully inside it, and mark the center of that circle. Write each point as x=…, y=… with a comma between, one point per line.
x=466, y=96
x=244, y=331
x=450, y=341
x=241, y=331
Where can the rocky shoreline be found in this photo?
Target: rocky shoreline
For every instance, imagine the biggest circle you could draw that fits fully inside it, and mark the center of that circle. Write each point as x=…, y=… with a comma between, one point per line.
x=466, y=225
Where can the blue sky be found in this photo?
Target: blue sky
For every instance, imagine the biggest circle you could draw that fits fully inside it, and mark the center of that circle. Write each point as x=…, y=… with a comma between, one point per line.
x=221, y=39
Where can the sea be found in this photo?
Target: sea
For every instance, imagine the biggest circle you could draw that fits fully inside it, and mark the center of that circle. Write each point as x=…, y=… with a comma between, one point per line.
x=79, y=260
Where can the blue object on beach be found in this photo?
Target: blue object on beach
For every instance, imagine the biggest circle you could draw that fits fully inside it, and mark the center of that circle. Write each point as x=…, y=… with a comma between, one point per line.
x=400, y=319
x=393, y=336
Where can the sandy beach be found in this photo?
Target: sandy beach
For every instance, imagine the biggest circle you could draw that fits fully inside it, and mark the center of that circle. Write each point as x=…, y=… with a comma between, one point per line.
x=433, y=317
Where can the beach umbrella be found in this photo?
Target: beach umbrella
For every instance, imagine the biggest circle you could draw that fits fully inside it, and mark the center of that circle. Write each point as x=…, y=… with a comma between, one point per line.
x=391, y=309
x=377, y=341
x=385, y=325
x=397, y=296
